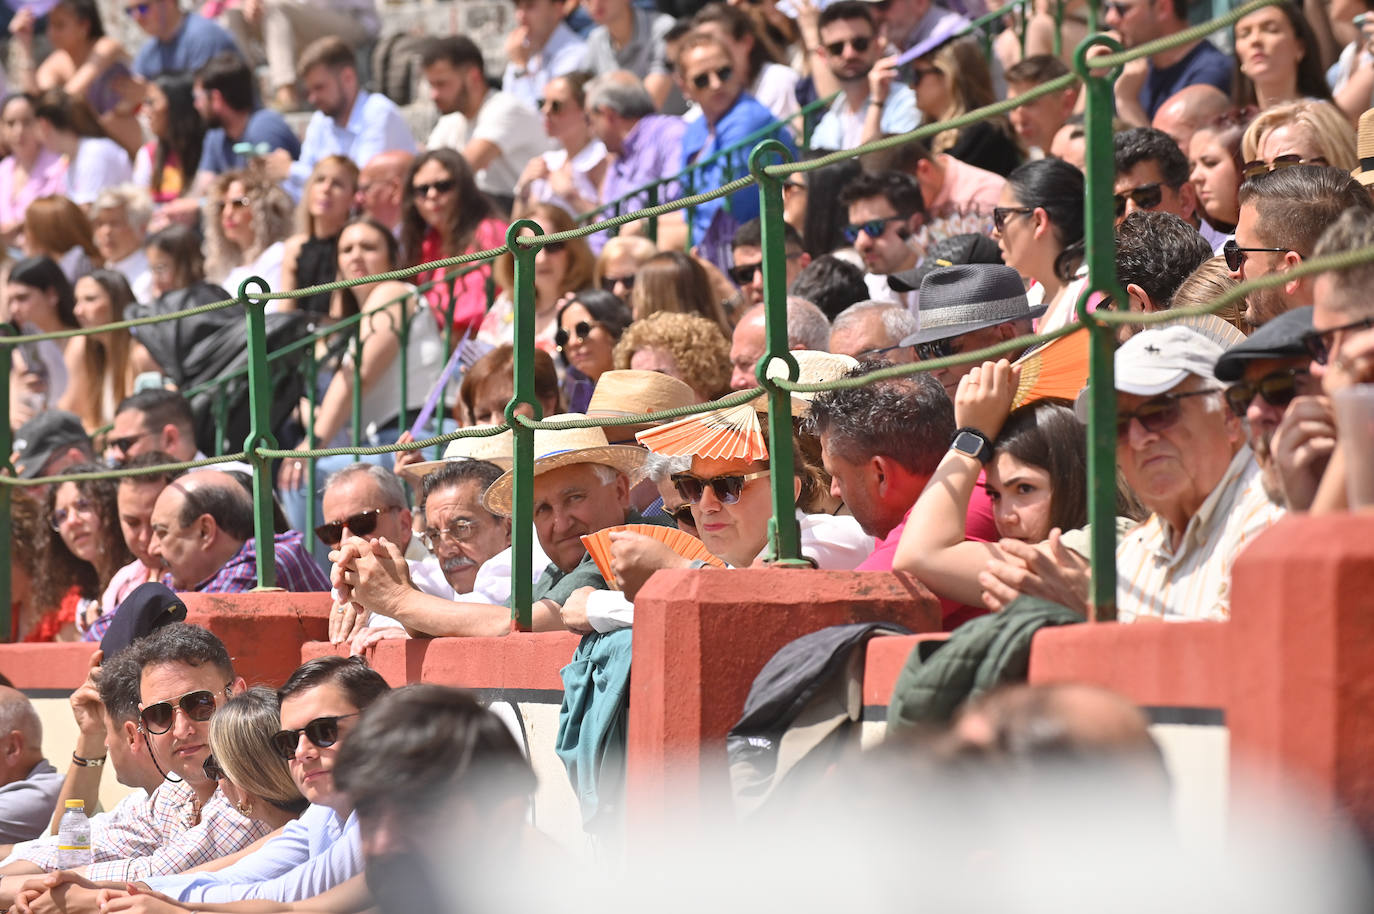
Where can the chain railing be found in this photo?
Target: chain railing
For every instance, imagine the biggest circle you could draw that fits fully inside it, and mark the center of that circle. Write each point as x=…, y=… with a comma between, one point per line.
x=524, y=238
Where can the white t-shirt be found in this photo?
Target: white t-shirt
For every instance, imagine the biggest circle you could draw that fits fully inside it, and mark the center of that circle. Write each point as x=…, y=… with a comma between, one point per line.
x=97, y=165
x=587, y=158
x=776, y=90
x=267, y=265
x=504, y=121
x=492, y=584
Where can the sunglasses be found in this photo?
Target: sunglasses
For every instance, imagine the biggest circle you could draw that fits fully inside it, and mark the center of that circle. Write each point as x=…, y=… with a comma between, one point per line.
x=1278, y=388
x=920, y=73
x=360, y=524
x=1157, y=414
x=80, y=506
x=1000, y=215
x=743, y=275
x=553, y=247
x=1318, y=342
x=1235, y=254
x=237, y=203
x=609, y=283
x=322, y=732
x=860, y=45
x=1146, y=196
x=872, y=228
x=438, y=187
x=1260, y=167
x=551, y=105
x=212, y=770
x=702, y=80
x=682, y=514
x=726, y=489
x=123, y=444
x=460, y=531
x=198, y=705
x=581, y=330
x=935, y=349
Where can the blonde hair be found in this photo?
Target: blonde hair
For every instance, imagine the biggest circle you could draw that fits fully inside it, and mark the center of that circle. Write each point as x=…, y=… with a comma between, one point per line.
x=240, y=738
x=636, y=246
x=969, y=76
x=1205, y=285
x=1334, y=136
x=581, y=261
x=304, y=221
x=697, y=344
x=271, y=209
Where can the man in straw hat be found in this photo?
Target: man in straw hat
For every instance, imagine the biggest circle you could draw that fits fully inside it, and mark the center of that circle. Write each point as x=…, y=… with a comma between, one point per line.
x=968, y=307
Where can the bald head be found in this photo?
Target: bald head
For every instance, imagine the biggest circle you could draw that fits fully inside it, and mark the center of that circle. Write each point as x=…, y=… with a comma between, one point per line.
x=1188, y=109
x=199, y=522
x=381, y=186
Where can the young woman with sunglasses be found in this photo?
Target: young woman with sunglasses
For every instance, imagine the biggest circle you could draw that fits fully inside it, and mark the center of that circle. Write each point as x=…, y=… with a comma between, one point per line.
x=1036, y=463
x=445, y=215
x=589, y=326
x=569, y=176
x=251, y=773
x=1038, y=224
x=743, y=31
x=619, y=261
x=953, y=80
x=84, y=520
x=247, y=220
x=560, y=269
x=1278, y=58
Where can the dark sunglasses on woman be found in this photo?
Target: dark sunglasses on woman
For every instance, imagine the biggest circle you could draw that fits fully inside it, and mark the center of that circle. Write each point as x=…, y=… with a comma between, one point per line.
x=322, y=732
x=726, y=489
x=581, y=330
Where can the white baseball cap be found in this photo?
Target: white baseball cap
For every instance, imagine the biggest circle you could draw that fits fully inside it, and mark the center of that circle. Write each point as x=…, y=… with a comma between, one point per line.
x=1155, y=361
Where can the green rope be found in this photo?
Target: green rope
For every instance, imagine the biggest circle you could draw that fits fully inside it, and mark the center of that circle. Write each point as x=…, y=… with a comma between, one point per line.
x=118, y=325
x=124, y=472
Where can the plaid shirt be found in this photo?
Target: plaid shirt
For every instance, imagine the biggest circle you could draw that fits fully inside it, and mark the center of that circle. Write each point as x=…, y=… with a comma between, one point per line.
x=296, y=570
x=156, y=836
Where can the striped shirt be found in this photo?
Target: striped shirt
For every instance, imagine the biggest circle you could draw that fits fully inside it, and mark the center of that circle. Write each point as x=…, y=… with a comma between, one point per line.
x=296, y=569
x=1193, y=580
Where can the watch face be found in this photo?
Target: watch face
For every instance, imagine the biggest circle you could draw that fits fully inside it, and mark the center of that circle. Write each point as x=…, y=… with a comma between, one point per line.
x=968, y=443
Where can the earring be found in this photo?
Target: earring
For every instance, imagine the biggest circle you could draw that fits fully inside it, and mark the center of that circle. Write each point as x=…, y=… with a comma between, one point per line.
x=245, y=808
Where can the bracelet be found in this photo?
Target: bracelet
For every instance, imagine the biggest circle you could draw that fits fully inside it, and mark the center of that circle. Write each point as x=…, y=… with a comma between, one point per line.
x=88, y=762
x=875, y=103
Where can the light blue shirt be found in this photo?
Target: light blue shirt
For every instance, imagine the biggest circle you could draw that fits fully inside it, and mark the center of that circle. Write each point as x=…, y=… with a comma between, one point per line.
x=374, y=125
x=310, y=856
x=841, y=128
x=565, y=52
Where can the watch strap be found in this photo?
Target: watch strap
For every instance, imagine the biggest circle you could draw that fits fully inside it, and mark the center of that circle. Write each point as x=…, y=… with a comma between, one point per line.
x=984, y=452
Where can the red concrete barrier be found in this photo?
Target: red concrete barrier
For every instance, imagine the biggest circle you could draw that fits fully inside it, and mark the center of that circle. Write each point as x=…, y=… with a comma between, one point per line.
x=46, y=666
x=514, y=662
x=264, y=632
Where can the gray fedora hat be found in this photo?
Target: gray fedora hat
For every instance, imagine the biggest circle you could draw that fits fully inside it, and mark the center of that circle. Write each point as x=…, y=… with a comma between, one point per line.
x=961, y=299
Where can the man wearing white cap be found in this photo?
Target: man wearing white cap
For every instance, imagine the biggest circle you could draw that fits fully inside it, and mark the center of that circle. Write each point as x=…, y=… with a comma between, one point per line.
x=1184, y=455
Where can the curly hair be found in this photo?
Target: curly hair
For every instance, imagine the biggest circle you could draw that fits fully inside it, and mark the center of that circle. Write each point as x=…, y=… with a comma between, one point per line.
x=271, y=208
x=102, y=494
x=697, y=345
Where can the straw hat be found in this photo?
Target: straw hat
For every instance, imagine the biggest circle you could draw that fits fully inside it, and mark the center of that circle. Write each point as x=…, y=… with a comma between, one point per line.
x=626, y=392
x=557, y=448
x=498, y=449
x=1365, y=149
x=813, y=367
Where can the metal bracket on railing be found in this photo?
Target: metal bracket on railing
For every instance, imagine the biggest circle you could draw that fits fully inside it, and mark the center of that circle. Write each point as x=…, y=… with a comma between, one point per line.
x=260, y=429
x=522, y=394
x=1100, y=256
x=784, y=535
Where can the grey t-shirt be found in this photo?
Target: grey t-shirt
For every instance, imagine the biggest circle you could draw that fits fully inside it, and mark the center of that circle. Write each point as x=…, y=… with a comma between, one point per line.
x=642, y=55
x=26, y=806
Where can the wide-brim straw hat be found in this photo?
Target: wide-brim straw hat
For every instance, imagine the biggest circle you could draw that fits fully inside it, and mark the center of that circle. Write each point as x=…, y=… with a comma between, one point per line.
x=498, y=449
x=1364, y=148
x=627, y=392
x=961, y=299
x=813, y=367
x=557, y=448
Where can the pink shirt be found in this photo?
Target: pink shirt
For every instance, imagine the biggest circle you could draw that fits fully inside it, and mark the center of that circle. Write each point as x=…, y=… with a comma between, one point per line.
x=47, y=177
x=966, y=188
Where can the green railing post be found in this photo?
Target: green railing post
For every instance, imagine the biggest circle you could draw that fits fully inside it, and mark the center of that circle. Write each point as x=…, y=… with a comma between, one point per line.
x=312, y=387
x=1100, y=244
x=784, y=534
x=6, y=467
x=651, y=230
x=1058, y=30
x=260, y=431
x=522, y=492
x=357, y=406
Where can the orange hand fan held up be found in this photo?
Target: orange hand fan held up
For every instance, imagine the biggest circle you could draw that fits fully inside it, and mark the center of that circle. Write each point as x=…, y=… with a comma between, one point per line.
x=598, y=545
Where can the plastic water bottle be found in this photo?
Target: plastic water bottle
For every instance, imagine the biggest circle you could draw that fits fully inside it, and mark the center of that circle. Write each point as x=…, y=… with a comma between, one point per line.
x=74, y=837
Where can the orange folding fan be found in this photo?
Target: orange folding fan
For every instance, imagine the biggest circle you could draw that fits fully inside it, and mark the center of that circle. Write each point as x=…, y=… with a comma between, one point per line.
x=732, y=434
x=684, y=544
x=1057, y=369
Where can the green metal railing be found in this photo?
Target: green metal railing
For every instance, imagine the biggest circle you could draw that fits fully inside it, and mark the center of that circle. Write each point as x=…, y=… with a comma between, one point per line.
x=524, y=238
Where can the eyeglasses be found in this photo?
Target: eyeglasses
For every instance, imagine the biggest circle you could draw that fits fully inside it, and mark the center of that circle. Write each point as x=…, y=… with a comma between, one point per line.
x=360, y=524
x=80, y=506
x=726, y=489
x=581, y=330
x=610, y=282
x=1000, y=215
x=198, y=705
x=460, y=531
x=860, y=44
x=702, y=80
x=1146, y=196
x=743, y=274
x=552, y=105
x=1318, y=342
x=322, y=732
x=1157, y=414
x=872, y=228
x=1278, y=388
x=438, y=187
x=682, y=514
x=237, y=203
x=212, y=770
x=1260, y=167
x=935, y=349
x=1235, y=254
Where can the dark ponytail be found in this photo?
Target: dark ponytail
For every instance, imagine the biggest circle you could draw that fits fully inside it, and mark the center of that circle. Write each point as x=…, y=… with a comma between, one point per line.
x=1058, y=188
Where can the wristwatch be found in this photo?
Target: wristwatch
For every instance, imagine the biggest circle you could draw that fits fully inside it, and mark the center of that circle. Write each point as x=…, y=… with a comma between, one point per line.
x=972, y=442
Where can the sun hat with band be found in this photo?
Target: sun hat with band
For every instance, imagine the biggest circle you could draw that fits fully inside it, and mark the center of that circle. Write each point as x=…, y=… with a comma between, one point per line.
x=628, y=392
x=961, y=299
x=813, y=367
x=498, y=449
x=1156, y=361
x=564, y=447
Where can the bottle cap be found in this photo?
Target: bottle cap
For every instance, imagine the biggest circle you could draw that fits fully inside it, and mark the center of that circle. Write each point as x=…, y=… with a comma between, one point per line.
x=76, y=804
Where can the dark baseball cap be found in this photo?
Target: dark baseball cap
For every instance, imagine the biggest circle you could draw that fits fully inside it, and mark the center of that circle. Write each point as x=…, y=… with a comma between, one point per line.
x=147, y=608
x=44, y=436
x=1280, y=338
x=947, y=252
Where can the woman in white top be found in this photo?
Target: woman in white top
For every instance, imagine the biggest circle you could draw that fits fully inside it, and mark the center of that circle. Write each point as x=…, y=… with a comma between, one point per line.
x=366, y=248
x=67, y=126
x=1038, y=224
x=774, y=85
x=569, y=176
x=247, y=220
